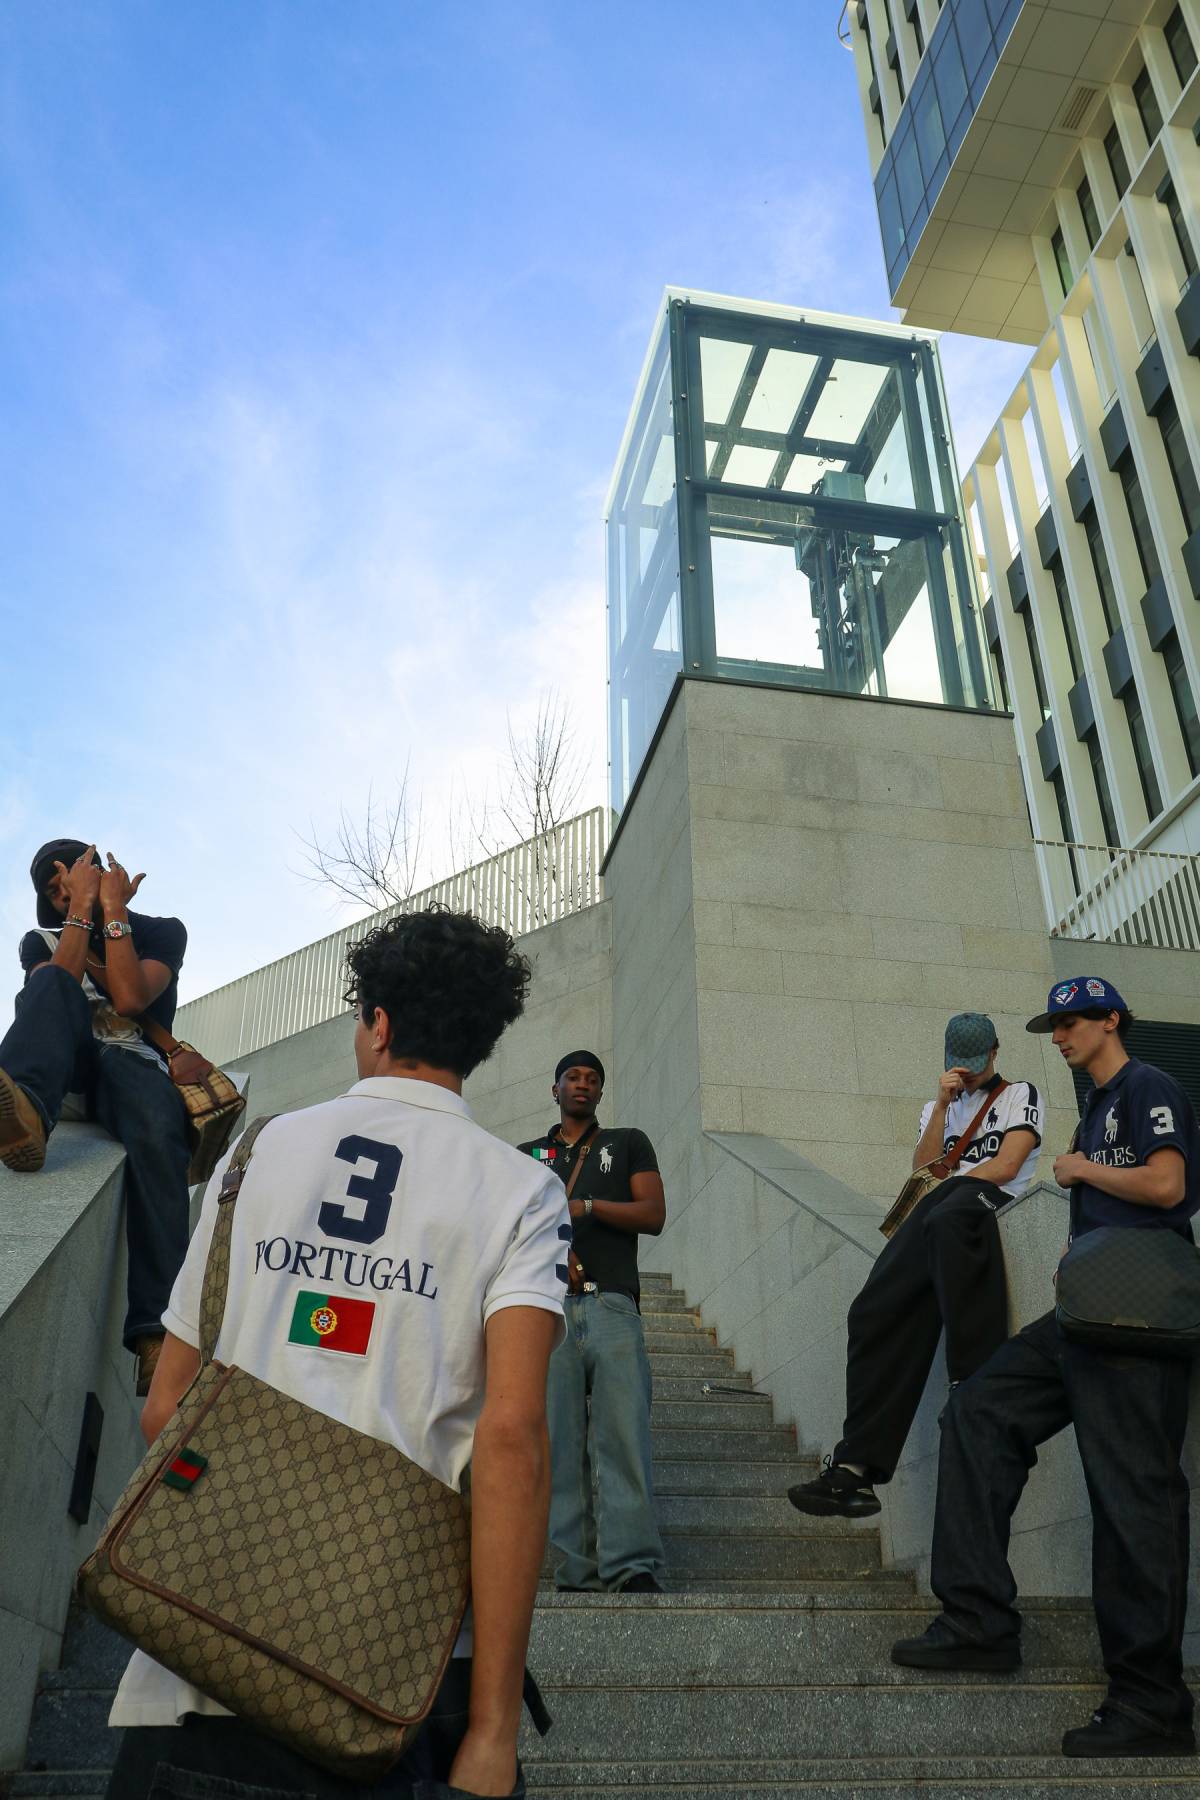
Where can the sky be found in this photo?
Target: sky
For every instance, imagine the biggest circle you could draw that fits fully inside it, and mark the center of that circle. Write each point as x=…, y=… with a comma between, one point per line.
x=319, y=324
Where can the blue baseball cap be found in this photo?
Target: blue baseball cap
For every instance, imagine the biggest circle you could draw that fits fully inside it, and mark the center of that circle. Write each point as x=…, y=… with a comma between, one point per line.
x=1082, y=993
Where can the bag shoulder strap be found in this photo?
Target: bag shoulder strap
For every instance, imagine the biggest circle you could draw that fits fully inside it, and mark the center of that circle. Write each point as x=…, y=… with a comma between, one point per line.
x=583, y=1150
x=159, y=1036
x=953, y=1156
x=216, y=1269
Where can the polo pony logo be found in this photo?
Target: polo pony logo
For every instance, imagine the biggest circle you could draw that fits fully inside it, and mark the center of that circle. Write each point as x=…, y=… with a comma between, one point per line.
x=606, y=1161
x=1110, y=1126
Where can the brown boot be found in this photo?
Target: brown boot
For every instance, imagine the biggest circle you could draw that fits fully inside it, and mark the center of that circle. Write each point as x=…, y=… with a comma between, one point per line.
x=147, y=1351
x=22, y=1134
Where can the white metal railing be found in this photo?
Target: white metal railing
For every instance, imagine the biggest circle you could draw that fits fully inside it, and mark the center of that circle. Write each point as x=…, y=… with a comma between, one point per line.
x=524, y=887
x=1115, y=896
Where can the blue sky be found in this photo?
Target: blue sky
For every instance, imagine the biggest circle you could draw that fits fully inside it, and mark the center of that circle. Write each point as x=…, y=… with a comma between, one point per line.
x=319, y=323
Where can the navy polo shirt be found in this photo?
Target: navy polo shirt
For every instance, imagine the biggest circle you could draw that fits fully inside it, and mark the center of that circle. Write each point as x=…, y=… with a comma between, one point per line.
x=1140, y=1110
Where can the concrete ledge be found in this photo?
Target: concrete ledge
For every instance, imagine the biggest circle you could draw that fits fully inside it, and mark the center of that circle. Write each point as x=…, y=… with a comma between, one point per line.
x=62, y=1305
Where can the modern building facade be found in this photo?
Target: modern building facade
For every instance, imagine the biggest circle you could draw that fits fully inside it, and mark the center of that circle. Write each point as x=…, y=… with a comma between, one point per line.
x=1037, y=176
x=785, y=510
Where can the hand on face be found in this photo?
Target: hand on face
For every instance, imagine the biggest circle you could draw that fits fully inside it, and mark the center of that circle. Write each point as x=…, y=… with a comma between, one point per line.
x=75, y=890
x=116, y=889
x=952, y=1085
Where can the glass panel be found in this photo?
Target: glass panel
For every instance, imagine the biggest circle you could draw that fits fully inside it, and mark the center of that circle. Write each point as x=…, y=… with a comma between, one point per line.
x=1185, y=700
x=722, y=365
x=889, y=480
x=908, y=175
x=974, y=33
x=1147, y=104
x=781, y=387
x=1179, y=43
x=931, y=138
x=891, y=225
x=1115, y=152
x=1087, y=206
x=644, y=643
x=848, y=396
x=748, y=467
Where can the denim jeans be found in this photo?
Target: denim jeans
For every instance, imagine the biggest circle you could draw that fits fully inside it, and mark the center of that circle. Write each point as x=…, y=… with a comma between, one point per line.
x=214, y=1758
x=50, y=1052
x=611, y=1534
x=1130, y=1417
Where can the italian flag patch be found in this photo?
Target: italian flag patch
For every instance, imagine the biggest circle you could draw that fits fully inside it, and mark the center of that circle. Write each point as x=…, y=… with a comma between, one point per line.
x=332, y=1322
x=543, y=1154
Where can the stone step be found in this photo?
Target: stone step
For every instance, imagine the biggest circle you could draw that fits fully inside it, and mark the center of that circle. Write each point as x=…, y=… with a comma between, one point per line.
x=677, y=1639
x=698, y=1364
x=677, y=1324
x=732, y=1477
x=873, y=1778
x=651, y=1282
x=956, y=1717
x=758, y=1515
x=698, y=1554
x=721, y=1444
x=682, y=1343
x=666, y=1300
x=694, y=1410
x=689, y=1383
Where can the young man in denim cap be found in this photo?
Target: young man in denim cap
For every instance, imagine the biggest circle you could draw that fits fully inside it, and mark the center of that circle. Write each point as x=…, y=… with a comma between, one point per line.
x=943, y=1268
x=1136, y=1165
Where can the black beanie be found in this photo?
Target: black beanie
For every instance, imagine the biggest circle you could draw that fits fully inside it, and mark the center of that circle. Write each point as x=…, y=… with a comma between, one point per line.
x=63, y=850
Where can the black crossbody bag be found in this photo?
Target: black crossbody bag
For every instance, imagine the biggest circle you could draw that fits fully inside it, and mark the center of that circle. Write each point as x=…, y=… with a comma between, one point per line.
x=1129, y=1289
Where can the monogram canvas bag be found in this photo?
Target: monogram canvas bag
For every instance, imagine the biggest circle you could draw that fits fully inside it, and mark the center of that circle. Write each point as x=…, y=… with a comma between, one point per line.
x=922, y=1181
x=311, y=1579
x=213, y=1104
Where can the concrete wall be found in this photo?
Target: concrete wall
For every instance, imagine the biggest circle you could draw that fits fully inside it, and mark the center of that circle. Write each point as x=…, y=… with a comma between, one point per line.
x=860, y=871
x=62, y=1304
x=569, y=1008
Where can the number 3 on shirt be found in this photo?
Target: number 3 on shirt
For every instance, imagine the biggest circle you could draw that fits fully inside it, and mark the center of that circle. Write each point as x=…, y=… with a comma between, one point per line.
x=1164, y=1120
x=376, y=1190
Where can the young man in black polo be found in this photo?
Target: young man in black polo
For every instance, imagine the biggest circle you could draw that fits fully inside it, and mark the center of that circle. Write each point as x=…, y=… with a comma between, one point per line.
x=93, y=969
x=1137, y=1167
x=612, y=1542
x=941, y=1270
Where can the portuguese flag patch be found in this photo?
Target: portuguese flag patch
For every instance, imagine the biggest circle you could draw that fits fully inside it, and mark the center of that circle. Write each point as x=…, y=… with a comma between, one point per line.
x=332, y=1322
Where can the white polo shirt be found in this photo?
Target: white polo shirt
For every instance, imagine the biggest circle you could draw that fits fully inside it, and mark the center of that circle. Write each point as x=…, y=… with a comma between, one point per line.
x=374, y=1237
x=1019, y=1108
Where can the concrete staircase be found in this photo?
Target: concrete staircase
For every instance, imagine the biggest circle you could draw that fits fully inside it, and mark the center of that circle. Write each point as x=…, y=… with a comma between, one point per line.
x=764, y=1672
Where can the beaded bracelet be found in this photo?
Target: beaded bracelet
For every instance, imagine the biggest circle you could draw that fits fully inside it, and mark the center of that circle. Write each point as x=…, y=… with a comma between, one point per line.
x=83, y=924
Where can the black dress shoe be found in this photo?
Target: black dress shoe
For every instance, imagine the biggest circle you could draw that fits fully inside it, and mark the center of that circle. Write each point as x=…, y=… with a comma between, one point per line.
x=942, y=1648
x=1111, y=1732
x=640, y=1584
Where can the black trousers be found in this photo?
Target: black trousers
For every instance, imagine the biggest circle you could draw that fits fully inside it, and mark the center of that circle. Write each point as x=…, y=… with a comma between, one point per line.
x=1130, y=1415
x=213, y=1758
x=942, y=1268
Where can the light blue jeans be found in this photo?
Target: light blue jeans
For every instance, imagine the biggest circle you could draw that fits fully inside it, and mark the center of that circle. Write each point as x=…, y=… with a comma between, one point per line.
x=607, y=1534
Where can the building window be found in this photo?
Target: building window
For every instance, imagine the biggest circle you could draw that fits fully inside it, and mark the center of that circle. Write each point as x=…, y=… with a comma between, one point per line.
x=1104, y=580
x=1184, y=698
x=1141, y=752
x=1087, y=206
x=1064, y=825
x=1115, y=152
x=1103, y=791
x=1139, y=518
x=1179, y=43
x=1002, y=678
x=1146, y=101
x=1059, y=578
x=1062, y=261
x=1170, y=199
x=1035, y=659
x=1182, y=472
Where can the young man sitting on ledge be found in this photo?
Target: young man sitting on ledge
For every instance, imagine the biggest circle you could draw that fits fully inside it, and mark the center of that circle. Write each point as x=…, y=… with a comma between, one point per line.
x=92, y=970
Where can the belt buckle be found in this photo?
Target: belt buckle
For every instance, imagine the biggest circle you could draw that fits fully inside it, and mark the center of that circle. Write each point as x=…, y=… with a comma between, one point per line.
x=589, y=1287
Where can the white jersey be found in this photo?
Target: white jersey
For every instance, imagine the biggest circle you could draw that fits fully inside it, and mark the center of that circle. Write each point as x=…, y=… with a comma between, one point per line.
x=374, y=1237
x=1018, y=1108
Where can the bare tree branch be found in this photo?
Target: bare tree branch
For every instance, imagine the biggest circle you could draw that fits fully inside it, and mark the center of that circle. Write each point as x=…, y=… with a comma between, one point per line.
x=374, y=861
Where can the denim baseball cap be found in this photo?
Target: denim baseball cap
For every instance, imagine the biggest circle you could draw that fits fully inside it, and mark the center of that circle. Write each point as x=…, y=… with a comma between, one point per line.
x=1082, y=993
x=969, y=1041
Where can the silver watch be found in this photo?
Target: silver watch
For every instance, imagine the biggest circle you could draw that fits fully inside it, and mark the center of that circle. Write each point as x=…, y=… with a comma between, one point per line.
x=118, y=928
